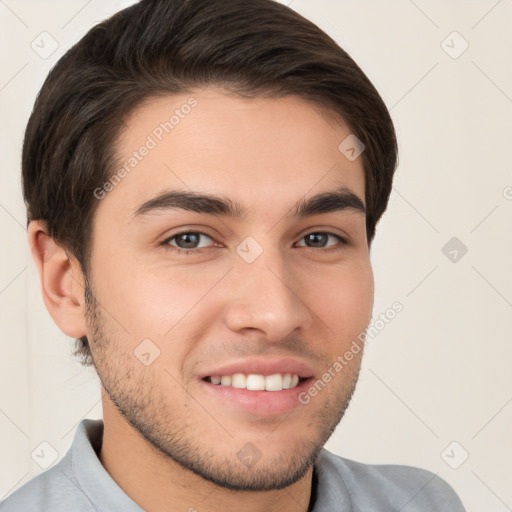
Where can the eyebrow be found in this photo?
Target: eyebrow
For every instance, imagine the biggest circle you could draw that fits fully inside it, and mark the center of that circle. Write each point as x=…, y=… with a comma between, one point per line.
x=340, y=199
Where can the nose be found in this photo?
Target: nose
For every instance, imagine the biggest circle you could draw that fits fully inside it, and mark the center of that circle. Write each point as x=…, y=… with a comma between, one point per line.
x=267, y=296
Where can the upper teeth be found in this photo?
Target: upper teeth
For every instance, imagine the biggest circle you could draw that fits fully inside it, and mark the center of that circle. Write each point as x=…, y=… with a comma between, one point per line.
x=254, y=382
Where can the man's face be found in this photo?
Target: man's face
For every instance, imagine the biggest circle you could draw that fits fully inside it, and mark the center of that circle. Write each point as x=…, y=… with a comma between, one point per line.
x=261, y=294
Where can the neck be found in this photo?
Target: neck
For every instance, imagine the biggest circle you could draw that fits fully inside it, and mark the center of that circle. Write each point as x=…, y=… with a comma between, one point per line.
x=154, y=481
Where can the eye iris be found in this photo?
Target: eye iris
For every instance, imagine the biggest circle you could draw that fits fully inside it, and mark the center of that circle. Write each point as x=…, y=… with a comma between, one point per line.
x=315, y=237
x=188, y=236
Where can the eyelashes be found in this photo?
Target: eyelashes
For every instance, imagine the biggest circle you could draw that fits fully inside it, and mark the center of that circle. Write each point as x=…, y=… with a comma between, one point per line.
x=197, y=235
x=182, y=234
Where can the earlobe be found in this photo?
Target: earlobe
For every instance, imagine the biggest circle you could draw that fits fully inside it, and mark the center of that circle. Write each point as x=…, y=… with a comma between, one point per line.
x=62, y=281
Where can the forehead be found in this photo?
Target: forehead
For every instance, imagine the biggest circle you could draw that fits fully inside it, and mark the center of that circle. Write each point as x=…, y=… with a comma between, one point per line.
x=262, y=152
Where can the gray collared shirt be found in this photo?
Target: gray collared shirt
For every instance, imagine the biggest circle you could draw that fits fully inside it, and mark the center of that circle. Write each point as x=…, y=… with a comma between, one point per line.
x=79, y=483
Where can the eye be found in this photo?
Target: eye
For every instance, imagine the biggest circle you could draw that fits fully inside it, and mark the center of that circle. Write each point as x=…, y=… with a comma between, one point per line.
x=319, y=238
x=190, y=241
x=186, y=241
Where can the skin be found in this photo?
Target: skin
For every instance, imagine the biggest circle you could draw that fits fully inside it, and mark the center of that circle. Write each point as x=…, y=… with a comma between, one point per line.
x=167, y=443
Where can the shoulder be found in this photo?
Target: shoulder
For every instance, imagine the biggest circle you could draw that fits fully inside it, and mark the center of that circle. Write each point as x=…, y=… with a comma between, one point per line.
x=387, y=486
x=60, y=488
x=54, y=489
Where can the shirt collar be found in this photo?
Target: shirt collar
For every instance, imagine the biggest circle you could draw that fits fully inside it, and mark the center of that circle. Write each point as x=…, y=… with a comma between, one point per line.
x=331, y=491
x=89, y=475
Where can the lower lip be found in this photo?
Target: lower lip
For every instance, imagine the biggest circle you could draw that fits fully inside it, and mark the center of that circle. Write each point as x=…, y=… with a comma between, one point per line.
x=259, y=402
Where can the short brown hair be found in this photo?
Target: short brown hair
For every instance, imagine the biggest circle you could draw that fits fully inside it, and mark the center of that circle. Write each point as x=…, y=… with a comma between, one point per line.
x=255, y=48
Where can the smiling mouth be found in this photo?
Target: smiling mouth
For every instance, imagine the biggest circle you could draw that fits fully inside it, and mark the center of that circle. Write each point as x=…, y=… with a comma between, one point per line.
x=257, y=382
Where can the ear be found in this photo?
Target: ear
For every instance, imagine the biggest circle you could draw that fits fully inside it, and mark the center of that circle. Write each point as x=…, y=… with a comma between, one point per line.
x=62, y=281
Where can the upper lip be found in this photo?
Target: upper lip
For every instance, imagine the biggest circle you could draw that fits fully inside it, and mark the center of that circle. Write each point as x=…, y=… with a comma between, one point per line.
x=261, y=367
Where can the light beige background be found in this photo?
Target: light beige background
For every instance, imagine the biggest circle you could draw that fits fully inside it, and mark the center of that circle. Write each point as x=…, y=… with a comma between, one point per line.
x=441, y=371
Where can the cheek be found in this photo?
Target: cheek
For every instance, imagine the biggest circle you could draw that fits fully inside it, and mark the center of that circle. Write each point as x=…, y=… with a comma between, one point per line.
x=344, y=300
x=164, y=305
x=167, y=304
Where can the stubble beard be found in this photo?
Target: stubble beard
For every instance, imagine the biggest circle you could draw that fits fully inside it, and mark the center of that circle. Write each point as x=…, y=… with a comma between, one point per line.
x=129, y=386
